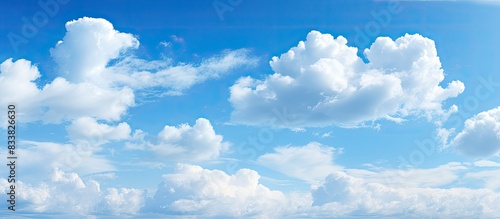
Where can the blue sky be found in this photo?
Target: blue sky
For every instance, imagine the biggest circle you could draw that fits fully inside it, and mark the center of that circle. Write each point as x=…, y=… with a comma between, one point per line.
x=253, y=109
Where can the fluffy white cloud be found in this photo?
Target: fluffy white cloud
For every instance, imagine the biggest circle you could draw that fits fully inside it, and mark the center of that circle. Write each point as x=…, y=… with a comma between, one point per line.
x=124, y=201
x=323, y=82
x=183, y=143
x=16, y=86
x=193, y=190
x=59, y=100
x=99, y=76
x=312, y=162
x=66, y=101
x=480, y=136
x=88, y=46
x=89, y=129
x=342, y=194
x=67, y=193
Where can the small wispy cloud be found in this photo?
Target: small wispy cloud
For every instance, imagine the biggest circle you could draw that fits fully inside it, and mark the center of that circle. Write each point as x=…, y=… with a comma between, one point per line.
x=177, y=39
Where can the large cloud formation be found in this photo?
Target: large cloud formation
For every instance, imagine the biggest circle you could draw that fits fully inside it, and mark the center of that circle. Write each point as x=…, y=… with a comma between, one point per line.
x=99, y=77
x=90, y=44
x=68, y=194
x=192, y=191
x=61, y=99
x=210, y=193
x=342, y=194
x=322, y=82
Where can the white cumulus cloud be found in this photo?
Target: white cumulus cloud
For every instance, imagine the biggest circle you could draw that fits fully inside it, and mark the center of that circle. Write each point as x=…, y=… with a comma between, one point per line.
x=67, y=193
x=98, y=75
x=322, y=82
x=86, y=128
x=342, y=194
x=480, y=136
x=60, y=99
x=192, y=190
x=88, y=46
x=183, y=143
